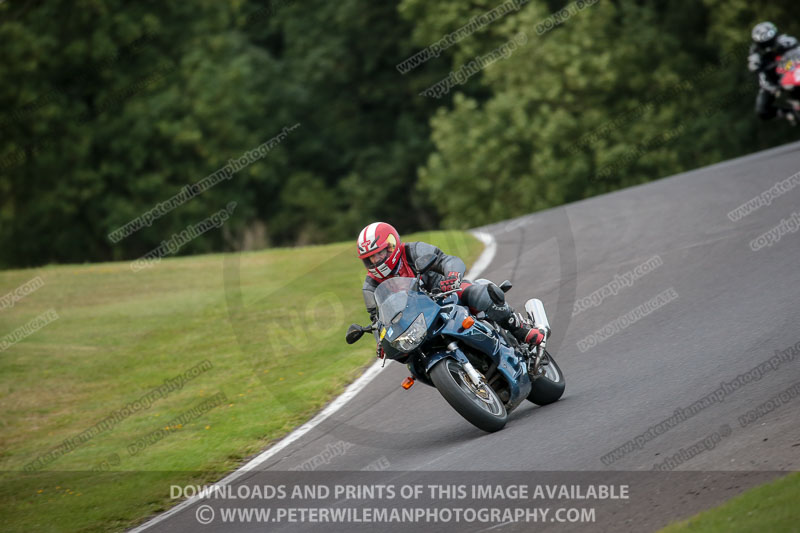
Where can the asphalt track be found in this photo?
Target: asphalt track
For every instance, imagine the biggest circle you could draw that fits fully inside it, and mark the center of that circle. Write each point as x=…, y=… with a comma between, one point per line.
x=731, y=309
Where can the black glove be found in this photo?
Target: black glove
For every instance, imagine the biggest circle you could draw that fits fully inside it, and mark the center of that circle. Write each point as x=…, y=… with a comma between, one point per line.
x=451, y=282
x=767, y=85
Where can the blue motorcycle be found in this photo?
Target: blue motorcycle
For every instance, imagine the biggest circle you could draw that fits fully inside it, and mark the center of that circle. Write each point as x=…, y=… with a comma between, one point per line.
x=480, y=369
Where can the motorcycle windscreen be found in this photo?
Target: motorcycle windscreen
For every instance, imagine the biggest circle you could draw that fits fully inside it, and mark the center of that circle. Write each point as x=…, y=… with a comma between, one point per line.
x=391, y=296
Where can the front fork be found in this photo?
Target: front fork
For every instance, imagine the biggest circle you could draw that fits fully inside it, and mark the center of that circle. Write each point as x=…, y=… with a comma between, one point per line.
x=536, y=313
x=453, y=351
x=473, y=374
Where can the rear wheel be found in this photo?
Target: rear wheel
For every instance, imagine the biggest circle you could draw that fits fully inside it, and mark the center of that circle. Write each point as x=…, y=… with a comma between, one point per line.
x=479, y=405
x=548, y=385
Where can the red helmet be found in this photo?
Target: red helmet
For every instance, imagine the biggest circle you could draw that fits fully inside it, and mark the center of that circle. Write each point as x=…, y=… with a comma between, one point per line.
x=379, y=248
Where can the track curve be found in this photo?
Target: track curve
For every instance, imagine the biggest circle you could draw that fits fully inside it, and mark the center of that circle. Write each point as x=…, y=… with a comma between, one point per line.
x=725, y=309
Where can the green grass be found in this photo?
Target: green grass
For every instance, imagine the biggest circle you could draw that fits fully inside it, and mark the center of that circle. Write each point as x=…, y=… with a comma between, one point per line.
x=271, y=324
x=773, y=508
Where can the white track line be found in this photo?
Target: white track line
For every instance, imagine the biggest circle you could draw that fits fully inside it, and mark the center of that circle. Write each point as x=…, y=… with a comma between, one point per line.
x=357, y=386
x=486, y=256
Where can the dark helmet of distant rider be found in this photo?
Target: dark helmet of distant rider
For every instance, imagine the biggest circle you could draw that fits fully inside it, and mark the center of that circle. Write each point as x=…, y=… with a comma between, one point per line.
x=765, y=35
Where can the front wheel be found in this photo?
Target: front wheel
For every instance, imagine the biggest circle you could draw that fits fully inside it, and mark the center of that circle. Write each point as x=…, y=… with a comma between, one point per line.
x=479, y=405
x=549, y=385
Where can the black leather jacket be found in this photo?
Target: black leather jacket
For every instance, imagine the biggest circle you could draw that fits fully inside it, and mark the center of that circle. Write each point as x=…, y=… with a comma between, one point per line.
x=441, y=267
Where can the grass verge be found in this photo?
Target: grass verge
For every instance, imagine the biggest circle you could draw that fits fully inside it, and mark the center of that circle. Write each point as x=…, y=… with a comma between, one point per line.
x=170, y=375
x=774, y=507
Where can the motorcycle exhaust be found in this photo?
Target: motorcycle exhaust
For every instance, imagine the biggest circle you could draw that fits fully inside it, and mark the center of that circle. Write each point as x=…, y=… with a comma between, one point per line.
x=535, y=310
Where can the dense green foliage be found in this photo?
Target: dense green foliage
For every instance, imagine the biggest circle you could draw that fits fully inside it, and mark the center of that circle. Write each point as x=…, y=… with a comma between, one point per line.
x=110, y=107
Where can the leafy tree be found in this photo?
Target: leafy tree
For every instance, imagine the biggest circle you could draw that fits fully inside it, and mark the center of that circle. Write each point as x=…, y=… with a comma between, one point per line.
x=111, y=108
x=618, y=94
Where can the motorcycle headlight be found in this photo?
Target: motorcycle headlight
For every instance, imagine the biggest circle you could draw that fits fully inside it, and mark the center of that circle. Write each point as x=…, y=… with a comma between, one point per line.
x=413, y=336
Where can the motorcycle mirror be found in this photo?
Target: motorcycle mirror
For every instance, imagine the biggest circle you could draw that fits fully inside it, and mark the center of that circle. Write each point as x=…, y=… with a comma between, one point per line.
x=424, y=263
x=354, y=332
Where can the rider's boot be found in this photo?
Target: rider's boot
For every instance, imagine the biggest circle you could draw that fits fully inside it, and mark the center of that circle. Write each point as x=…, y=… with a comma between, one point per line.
x=516, y=324
x=523, y=330
x=789, y=115
x=490, y=299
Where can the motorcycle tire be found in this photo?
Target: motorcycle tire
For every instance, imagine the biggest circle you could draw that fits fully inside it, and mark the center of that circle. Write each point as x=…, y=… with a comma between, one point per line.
x=549, y=386
x=482, y=408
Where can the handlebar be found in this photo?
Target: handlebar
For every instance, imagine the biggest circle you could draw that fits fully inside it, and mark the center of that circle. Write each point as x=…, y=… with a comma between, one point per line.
x=447, y=293
x=439, y=294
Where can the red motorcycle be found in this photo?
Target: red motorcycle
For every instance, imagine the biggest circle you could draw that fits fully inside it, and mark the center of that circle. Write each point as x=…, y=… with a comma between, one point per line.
x=788, y=66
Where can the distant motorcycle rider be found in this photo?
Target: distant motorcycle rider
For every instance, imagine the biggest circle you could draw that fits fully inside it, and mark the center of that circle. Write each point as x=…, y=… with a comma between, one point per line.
x=385, y=257
x=767, y=46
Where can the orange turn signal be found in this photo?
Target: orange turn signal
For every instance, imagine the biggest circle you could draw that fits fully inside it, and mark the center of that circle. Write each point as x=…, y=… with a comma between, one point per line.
x=407, y=383
x=467, y=322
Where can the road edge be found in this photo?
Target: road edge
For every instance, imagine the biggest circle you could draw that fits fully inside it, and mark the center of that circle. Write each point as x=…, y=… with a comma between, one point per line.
x=483, y=261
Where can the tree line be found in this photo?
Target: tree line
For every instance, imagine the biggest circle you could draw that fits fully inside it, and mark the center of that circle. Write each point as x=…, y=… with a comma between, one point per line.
x=424, y=114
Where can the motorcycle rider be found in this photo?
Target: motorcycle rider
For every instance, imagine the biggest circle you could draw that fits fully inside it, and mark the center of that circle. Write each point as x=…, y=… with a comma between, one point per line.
x=385, y=257
x=767, y=46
